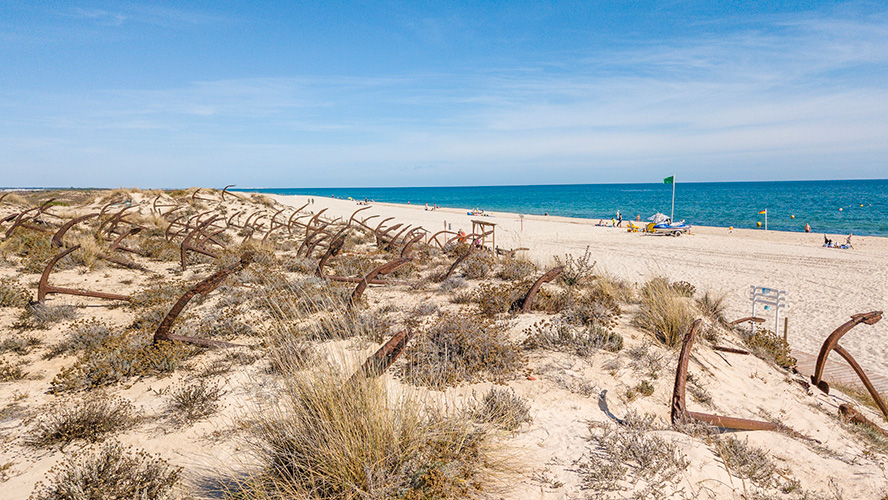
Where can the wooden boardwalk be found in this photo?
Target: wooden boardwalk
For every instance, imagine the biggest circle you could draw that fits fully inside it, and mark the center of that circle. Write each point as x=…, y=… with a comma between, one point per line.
x=838, y=371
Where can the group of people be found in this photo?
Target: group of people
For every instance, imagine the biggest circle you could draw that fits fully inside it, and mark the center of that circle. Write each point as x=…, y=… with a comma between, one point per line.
x=828, y=243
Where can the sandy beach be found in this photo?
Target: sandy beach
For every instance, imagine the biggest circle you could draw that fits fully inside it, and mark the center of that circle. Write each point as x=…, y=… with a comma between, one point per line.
x=825, y=286
x=595, y=417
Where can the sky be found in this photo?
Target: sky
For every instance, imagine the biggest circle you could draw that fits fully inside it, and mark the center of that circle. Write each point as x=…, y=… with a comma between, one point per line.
x=439, y=93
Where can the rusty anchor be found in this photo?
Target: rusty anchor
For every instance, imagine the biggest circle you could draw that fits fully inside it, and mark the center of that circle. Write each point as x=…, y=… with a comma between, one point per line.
x=385, y=356
x=203, y=287
x=44, y=288
x=332, y=251
x=384, y=269
x=527, y=302
x=832, y=344
x=680, y=415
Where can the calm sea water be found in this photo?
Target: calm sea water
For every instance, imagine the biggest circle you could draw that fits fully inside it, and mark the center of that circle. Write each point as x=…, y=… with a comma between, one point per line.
x=833, y=207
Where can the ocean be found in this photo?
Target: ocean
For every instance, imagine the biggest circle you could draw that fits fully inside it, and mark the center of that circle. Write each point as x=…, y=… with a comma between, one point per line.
x=830, y=207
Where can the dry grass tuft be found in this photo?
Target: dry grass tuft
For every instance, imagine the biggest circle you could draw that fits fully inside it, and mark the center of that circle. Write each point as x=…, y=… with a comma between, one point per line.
x=42, y=316
x=664, y=312
x=502, y=407
x=10, y=372
x=326, y=437
x=112, y=472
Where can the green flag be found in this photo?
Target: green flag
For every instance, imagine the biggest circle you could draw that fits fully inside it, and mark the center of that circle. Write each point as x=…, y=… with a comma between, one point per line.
x=669, y=179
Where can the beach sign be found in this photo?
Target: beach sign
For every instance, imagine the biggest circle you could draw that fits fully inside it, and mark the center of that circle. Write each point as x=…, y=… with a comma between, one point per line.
x=771, y=299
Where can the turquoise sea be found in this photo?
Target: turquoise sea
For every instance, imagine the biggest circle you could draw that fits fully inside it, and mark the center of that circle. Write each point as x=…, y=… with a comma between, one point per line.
x=832, y=207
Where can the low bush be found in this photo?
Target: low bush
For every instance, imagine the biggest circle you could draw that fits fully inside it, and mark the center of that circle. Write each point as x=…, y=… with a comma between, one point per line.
x=90, y=419
x=452, y=283
x=19, y=344
x=10, y=372
x=460, y=347
x=502, y=407
x=745, y=461
x=478, y=265
x=42, y=316
x=195, y=401
x=577, y=270
x=771, y=347
x=713, y=306
x=516, y=269
x=558, y=335
x=82, y=335
x=631, y=456
x=110, y=472
x=13, y=293
x=121, y=356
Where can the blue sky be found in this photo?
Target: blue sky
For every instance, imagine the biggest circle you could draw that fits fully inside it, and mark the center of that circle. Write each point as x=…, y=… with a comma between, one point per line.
x=299, y=94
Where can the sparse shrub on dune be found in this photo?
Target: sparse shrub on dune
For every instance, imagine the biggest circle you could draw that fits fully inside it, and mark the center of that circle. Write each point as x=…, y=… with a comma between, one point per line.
x=664, y=312
x=10, y=372
x=631, y=456
x=13, y=293
x=771, y=347
x=577, y=270
x=461, y=347
x=326, y=437
x=195, y=401
x=42, y=316
x=89, y=419
x=558, y=335
x=516, y=269
x=119, y=357
x=502, y=407
x=110, y=472
x=478, y=265
x=33, y=248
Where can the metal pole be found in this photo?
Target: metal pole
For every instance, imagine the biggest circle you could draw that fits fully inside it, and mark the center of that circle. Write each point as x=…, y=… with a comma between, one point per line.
x=672, y=214
x=785, y=327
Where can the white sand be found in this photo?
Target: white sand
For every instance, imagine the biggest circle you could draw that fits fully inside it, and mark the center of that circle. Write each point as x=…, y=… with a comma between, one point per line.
x=825, y=286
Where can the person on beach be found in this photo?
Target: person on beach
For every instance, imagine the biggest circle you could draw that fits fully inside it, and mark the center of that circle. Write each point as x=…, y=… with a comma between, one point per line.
x=619, y=219
x=848, y=241
x=807, y=227
x=461, y=236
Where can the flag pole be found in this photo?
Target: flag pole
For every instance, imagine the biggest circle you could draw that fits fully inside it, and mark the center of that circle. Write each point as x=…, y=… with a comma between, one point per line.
x=672, y=214
x=766, y=219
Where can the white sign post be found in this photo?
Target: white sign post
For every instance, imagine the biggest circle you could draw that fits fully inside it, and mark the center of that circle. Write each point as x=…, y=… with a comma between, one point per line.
x=770, y=299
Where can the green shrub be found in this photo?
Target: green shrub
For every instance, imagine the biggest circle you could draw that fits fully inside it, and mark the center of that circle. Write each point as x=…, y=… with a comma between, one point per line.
x=111, y=472
x=460, y=347
x=89, y=419
x=769, y=346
